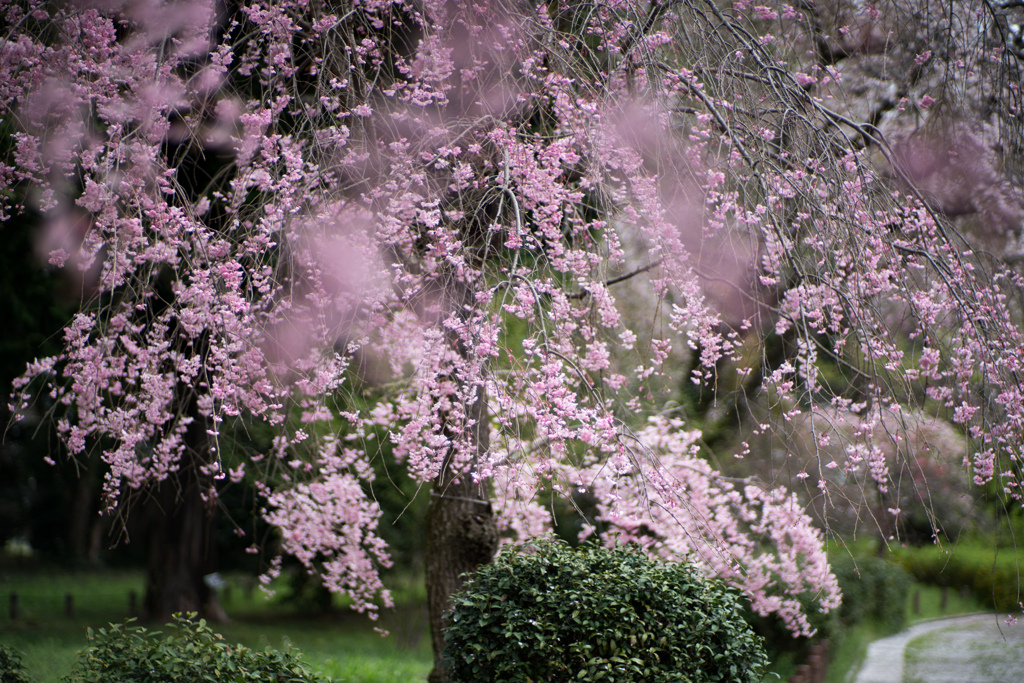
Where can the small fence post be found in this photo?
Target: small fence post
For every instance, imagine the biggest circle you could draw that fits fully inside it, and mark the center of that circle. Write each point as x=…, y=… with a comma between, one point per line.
x=14, y=611
x=822, y=653
x=133, y=604
x=944, y=602
x=69, y=606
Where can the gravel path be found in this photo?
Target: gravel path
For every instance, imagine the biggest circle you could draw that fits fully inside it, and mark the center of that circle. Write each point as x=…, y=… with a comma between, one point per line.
x=969, y=649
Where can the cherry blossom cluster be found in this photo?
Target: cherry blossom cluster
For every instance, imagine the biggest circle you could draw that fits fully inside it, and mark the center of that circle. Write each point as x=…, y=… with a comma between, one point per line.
x=413, y=217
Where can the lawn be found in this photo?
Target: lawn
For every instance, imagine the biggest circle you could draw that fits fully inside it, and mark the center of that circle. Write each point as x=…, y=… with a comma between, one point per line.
x=341, y=644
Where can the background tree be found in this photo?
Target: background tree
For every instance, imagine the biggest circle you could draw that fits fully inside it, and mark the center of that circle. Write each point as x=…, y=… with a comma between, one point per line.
x=506, y=235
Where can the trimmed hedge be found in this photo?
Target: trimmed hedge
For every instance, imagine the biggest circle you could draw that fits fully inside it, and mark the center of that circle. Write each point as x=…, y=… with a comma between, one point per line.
x=993, y=579
x=547, y=612
x=192, y=654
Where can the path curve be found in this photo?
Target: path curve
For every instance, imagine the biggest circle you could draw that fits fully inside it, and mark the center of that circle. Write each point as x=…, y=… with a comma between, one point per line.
x=884, y=661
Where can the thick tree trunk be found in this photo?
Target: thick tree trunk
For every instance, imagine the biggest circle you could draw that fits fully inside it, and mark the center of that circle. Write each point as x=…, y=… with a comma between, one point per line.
x=181, y=530
x=461, y=535
x=83, y=517
x=180, y=554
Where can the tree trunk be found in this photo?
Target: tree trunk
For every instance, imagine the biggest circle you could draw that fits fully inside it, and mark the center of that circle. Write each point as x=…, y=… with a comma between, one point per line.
x=182, y=538
x=181, y=551
x=461, y=535
x=83, y=517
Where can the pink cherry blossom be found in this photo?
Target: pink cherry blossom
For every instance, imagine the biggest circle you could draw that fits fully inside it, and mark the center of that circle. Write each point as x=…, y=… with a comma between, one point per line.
x=547, y=252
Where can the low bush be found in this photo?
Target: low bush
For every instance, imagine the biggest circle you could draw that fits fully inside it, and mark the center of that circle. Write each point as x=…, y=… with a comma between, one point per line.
x=192, y=653
x=11, y=668
x=547, y=612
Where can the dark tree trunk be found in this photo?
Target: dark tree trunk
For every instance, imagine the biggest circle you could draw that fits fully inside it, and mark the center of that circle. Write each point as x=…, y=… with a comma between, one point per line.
x=181, y=537
x=82, y=521
x=180, y=553
x=461, y=535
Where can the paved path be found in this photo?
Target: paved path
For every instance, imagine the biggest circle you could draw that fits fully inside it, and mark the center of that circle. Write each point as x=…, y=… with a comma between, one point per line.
x=986, y=651
x=884, y=661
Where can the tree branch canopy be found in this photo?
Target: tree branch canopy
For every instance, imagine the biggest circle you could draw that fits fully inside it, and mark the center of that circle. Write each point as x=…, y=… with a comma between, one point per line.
x=442, y=232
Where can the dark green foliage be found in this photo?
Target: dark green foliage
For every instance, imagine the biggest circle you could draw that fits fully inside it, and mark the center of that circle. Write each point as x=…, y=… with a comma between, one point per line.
x=873, y=588
x=993, y=578
x=551, y=613
x=777, y=637
x=11, y=668
x=192, y=654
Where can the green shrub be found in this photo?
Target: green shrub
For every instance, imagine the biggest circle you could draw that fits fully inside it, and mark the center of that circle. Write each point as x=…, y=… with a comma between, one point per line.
x=992, y=578
x=11, y=668
x=873, y=588
x=551, y=613
x=193, y=653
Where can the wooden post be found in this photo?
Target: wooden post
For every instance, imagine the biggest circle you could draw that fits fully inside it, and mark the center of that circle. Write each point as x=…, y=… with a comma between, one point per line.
x=802, y=675
x=14, y=611
x=944, y=602
x=917, y=601
x=69, y=606
x=820, y=651
x=133, y=604
x=814, y=662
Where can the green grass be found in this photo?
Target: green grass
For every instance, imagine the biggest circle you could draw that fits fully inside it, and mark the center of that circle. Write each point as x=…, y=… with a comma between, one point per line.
x=341, y=644
x=345, y=646
x=851, y=650
x=47, y=638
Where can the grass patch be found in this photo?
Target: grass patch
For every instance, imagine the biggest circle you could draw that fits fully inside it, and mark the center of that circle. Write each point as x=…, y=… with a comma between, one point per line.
x=852, y=649
x=340, y=644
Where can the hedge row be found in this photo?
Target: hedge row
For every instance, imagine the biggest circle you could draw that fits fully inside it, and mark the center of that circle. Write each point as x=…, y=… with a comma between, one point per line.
x=992, y=578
